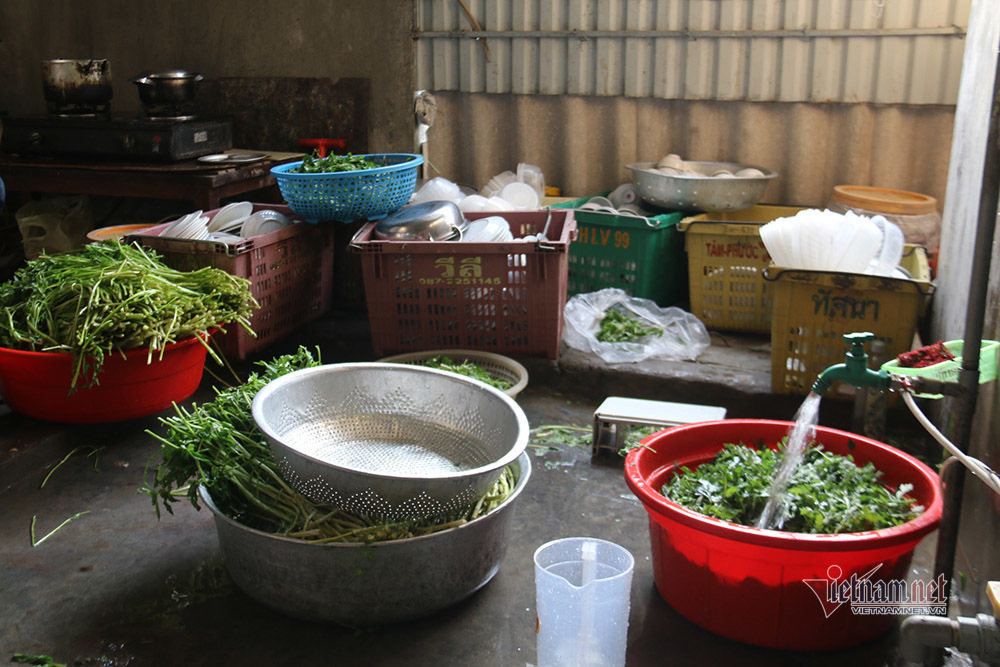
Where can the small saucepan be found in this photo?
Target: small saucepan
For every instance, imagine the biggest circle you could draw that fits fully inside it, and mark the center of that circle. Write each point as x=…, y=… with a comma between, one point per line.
x=173, y=87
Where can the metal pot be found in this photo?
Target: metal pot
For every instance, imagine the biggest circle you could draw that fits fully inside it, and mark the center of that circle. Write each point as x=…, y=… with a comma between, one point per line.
x=362, y=584
x=82, y=82
x=174, y=87
x=426, y=221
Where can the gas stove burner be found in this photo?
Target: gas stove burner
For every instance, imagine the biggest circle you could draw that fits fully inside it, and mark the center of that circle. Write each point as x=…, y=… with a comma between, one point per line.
x=102, y=110
x=168, y=112
x=169, y=118
x=128, y=136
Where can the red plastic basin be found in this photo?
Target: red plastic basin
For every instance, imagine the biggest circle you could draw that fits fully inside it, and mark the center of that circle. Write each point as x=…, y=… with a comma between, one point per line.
x=36, y=384
x=750, y=584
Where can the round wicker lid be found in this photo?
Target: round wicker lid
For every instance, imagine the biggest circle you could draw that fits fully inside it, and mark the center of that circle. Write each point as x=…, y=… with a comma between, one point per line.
x=884, y=200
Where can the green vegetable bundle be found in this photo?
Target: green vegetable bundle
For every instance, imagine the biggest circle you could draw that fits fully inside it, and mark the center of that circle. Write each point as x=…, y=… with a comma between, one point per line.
x=219, y=445
x=466, y=368
x=828, y=493
x=110, y=297
x=617, y=327
x=313, y=164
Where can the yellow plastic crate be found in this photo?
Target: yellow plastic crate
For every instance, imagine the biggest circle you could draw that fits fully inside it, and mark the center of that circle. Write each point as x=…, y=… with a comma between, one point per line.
x=812, y=310
x=726, y=262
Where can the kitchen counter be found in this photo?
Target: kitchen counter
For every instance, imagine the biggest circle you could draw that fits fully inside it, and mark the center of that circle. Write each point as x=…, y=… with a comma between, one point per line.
x=202, y=184
x=117, y=586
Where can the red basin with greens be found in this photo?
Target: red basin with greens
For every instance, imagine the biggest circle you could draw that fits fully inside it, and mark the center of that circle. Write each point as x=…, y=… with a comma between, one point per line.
x=37, y=384
x=772, y=588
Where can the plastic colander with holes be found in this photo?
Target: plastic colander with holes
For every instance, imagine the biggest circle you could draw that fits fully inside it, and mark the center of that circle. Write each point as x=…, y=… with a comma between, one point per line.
x=346, y=196
x=389, y=441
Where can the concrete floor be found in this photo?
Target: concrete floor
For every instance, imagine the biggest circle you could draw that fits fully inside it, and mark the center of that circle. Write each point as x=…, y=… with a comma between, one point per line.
x=118, y=587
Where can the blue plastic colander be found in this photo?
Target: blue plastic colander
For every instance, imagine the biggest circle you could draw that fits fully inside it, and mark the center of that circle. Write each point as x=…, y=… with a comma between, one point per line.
x=345, y=196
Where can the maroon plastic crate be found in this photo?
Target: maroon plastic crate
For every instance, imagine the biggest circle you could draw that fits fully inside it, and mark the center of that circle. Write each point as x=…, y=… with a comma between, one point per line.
x=506, y=297
x=290, y=272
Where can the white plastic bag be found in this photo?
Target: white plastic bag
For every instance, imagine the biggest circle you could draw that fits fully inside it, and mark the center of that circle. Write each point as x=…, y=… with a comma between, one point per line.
x=684, y=336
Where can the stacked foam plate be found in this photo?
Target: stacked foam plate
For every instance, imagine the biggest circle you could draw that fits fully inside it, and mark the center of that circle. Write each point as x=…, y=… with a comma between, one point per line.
x=828, y=241
x=496, y=184
x=232, y=222
x=263, y=222
x=488, y=230
x=191, y=226
x=230, y=218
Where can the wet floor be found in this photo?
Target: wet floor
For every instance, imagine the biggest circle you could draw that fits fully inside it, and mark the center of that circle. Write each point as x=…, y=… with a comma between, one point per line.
x=117, y=586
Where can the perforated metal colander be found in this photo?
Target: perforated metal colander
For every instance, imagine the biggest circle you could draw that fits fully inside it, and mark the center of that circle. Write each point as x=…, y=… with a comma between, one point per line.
x=389, y=441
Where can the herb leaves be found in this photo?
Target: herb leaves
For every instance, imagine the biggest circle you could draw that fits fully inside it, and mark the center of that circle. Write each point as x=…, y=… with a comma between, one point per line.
x=617, y=327
x=312, y=164
x=828, y=493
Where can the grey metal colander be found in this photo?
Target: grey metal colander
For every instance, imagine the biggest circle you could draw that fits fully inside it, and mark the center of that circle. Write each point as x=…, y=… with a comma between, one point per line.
x=389, y=441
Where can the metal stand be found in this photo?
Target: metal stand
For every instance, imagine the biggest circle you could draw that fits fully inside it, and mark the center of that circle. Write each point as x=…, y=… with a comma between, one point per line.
x=617, y=411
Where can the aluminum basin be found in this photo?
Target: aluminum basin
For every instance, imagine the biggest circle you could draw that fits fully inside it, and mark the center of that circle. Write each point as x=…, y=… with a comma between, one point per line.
x=368, y=584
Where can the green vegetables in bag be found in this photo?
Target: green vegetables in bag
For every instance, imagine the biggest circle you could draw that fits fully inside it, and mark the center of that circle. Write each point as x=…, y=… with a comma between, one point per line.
x=617, y=327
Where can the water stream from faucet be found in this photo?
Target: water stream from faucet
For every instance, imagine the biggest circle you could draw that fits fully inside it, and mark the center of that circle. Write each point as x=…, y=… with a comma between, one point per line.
x=805, y=425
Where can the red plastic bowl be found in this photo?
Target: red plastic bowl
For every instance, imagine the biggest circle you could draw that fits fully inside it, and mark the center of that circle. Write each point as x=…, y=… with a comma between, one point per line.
x=750, y=584
x=36, y=384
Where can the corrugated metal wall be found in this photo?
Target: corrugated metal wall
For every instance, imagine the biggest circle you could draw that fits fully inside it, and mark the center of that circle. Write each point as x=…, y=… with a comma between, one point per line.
x=583, y=143
x=778, y=83
x=882, y=51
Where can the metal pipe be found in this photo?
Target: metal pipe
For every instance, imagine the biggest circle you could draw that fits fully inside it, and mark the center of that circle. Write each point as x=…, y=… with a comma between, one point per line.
x=965, y=408
x=920, y=637
x=583, y=35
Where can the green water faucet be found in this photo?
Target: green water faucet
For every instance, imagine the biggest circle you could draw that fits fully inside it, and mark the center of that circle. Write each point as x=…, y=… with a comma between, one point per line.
x=854, y=371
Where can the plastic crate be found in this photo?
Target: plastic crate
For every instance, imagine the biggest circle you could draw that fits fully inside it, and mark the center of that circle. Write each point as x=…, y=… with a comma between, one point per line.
x=726, y=262
x=812, y=310
x=948, y=371
x=506, y=298
x=290, y=272
x=644, y=257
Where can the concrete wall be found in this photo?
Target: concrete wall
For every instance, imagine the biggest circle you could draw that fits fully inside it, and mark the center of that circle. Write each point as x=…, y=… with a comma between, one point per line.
x=221, y=38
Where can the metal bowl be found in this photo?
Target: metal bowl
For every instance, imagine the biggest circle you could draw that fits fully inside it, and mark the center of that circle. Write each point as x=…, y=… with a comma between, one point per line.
x=389, y=440
x=700, y=191
x=367, y=584
x=427, y=221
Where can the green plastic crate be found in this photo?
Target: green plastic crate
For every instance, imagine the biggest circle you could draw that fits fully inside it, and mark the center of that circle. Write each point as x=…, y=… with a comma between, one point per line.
x=948, y=371
x=644, y=257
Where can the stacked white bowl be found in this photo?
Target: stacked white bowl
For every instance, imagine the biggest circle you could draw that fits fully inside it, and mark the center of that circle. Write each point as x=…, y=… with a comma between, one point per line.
x=503, y=192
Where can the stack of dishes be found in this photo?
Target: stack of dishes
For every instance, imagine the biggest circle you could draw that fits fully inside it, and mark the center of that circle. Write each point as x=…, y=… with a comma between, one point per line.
x=263, y=222
x=230, y=218
x=828, y=241
x=232, y=222
x=488, y=230
x=191, y=226
x=497, y=183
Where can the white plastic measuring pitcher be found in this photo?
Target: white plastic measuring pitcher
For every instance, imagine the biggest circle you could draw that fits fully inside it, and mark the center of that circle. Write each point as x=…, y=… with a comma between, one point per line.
x=583, y=588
